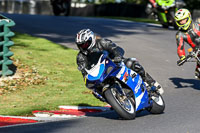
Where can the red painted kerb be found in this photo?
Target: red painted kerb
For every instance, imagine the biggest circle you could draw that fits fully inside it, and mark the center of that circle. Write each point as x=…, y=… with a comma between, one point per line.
x=5, y=121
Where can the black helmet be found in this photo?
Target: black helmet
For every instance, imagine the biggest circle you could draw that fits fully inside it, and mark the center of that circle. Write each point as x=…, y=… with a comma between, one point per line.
x=85, y=40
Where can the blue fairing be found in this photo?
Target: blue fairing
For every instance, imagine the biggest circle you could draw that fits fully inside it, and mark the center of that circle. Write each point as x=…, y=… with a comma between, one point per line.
x=138, y=87
x=101, y=70
x=144, y=102
x=133, y=80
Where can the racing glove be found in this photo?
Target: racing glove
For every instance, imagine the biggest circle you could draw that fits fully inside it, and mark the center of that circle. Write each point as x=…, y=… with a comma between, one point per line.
x=80, y=68
x=196, y=48
x=155, y=5
x=117, y=59
x=179, y=62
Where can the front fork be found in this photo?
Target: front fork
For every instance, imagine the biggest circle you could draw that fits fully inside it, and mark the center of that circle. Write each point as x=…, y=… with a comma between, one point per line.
x=197, y=56
x=198, y=60
x=100, y=97
x=162, y=17
x=120, y=90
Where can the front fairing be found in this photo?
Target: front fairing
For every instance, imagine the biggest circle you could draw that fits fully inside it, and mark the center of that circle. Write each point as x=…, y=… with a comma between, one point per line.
x=165, y=2
x=99, y=73
x=166, y=10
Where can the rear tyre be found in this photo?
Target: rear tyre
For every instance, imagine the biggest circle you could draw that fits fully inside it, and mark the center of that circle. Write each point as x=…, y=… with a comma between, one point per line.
x=158, y=104
x=123, y=105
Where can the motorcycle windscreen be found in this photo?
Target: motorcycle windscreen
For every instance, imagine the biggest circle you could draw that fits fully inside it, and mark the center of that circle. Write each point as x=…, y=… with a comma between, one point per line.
x=97, y=73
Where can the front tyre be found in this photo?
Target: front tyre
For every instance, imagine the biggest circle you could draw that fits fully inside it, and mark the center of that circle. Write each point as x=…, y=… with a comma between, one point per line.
x=123, y=105
x=158, y=104
x=56, y=10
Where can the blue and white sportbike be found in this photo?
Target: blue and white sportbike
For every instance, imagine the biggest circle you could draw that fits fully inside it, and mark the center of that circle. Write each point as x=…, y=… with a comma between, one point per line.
x=121, y=87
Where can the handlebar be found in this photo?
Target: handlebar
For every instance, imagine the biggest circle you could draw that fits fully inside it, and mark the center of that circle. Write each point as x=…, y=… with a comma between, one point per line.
x=191, y=55
x=164, y=7
x=181, y=62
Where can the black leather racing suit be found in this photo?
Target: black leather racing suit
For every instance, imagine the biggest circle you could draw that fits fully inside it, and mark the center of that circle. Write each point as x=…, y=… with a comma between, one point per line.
x=83, y=60
x=192, y=37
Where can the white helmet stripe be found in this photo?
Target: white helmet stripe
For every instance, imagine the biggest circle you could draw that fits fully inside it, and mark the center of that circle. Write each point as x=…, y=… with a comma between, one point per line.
x=84, y=36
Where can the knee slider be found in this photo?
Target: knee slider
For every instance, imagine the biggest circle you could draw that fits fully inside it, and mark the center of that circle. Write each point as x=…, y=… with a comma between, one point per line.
x=129, y=63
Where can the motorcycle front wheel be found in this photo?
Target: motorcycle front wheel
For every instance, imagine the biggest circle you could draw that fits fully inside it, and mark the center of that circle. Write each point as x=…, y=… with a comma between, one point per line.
x=123, y=105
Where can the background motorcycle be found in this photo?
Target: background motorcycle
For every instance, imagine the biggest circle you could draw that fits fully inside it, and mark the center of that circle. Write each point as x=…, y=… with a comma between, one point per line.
x=121, y=87
x=165, y=11
x=61, y=7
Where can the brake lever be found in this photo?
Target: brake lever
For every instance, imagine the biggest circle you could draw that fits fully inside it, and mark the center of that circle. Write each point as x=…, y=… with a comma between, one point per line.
x=181, y=62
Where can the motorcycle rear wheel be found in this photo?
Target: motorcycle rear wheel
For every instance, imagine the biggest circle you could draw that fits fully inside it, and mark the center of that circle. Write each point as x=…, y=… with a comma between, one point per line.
x=123, y=105
x=158, y=106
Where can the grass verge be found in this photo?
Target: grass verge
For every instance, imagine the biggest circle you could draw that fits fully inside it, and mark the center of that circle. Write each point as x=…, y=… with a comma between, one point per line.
x=62, y=85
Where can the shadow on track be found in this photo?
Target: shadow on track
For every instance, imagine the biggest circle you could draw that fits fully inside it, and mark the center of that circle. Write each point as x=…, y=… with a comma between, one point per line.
x=63, y=29
x=185, y=83
x=114, y=116
x=111, y=114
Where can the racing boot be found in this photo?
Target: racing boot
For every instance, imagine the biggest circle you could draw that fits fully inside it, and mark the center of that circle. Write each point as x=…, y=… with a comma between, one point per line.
x=154, y=85
x=158, y=88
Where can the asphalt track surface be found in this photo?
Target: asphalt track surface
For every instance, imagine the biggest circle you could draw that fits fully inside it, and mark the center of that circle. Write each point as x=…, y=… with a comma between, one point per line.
x=153, y=46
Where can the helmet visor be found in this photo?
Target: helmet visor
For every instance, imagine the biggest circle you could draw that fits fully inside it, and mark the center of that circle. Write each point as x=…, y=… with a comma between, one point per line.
x=183, y=21
x=85, y=45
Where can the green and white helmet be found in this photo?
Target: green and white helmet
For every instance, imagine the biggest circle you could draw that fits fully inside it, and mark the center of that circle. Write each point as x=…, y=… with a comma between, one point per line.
x=182, y=14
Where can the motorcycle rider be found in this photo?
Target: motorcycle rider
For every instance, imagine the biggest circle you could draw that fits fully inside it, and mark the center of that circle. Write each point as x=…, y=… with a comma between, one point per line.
x=189, y=32
x=87, y=43
x=153, y=3
x=61, y=6
x=151, y=9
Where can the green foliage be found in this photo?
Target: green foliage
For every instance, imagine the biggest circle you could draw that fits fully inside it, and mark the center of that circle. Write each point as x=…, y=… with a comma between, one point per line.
x=136, y=1
x=192, y=4
x=106, y=1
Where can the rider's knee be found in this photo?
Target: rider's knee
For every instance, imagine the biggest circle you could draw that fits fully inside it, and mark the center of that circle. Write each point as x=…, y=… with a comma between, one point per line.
x=133, y=64
x=128, y=63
